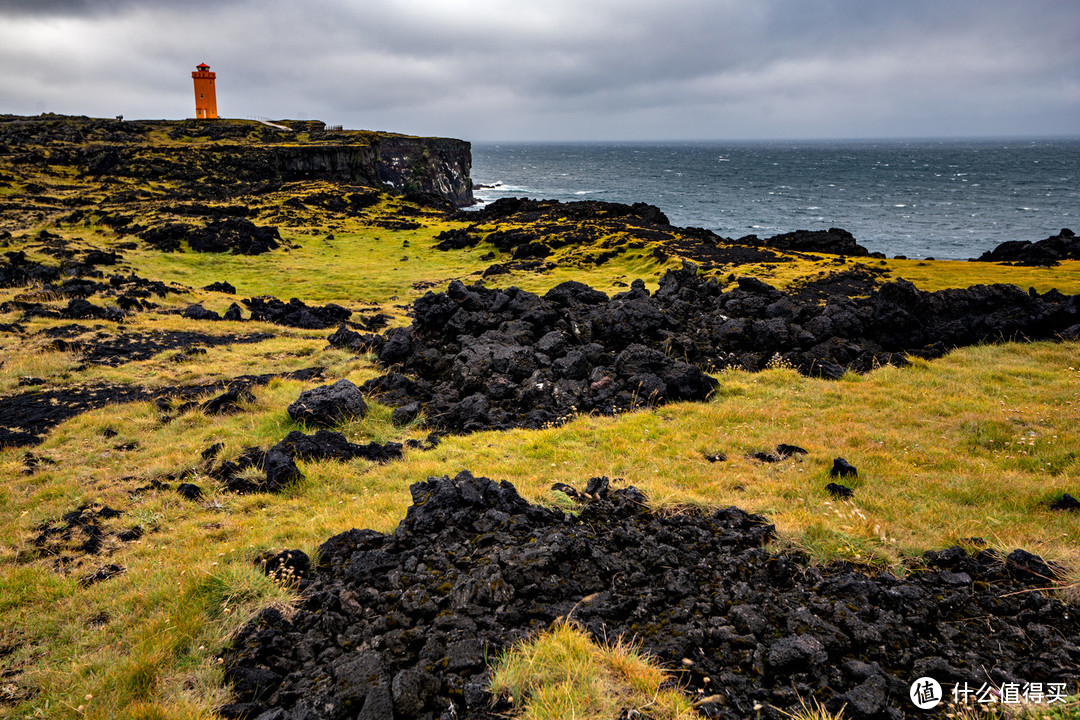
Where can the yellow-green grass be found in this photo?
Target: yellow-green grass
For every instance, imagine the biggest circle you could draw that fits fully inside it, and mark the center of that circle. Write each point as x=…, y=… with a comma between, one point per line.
x=942, y=274
x=945, y=452
x=564, y=674
x=366, y=264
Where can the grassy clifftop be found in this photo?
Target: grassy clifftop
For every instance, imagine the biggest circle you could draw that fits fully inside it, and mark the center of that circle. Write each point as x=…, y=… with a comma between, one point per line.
x=117, y=592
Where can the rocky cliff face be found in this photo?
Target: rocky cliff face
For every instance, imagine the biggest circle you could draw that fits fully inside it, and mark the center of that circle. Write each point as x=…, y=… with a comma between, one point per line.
x=221, y=154
x=439, y=166
x=436, y=165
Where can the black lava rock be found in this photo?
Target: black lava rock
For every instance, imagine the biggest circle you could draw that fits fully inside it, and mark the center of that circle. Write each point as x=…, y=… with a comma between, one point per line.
x=483, y=358
x=295, y=313
x=329, y=404
x=1051, y=251
x=189, y=491
x=839, y=491
x=1066, y=502
x=229, y=401
x=400, y=624
x=329, y=445
x=834, y=241
x=842, y=468
x=233, y=313
x=405, y=414
x=281, y=470
x=198, y=312
x=235, y=235
x=80, y=309
x=222, y=287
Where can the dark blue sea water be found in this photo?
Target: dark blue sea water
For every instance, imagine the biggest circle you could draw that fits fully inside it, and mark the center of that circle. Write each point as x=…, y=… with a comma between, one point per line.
x=919, y=198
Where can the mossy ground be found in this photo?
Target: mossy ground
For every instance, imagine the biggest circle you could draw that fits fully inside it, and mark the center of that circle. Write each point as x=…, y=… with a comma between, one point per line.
x=973, y=445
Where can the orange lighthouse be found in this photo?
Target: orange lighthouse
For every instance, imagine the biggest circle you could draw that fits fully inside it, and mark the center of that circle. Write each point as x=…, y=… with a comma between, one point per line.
x=205, y=94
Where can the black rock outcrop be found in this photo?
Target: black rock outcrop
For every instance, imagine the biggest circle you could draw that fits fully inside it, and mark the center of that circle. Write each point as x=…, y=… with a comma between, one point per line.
x=404, y=625
x=236, y=235
x=495, y=358
x=834, y=241
x=1051, y=251
x=329, y=404
x=296, y=313
x=330, y=445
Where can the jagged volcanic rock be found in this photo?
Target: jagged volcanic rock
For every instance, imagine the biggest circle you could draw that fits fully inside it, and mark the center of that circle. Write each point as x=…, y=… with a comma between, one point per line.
x=1051, y=251
x=403, y=625
x=329, y=404
x=296, y=313
x=329, y=445
x=490, y=358
x=834, y=241
x=236, y=235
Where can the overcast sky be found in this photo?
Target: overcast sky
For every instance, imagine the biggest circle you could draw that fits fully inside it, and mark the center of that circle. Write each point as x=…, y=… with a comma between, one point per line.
x=562, y=69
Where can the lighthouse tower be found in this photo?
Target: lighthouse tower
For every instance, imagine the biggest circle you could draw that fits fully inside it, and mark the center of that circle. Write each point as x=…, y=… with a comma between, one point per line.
x=205, y=94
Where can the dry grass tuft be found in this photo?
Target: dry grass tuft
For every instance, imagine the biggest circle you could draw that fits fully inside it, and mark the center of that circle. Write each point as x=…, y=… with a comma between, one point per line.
x=563, y=673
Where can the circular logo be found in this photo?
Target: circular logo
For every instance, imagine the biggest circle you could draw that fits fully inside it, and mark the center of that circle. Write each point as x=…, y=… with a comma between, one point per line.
x=926, y=693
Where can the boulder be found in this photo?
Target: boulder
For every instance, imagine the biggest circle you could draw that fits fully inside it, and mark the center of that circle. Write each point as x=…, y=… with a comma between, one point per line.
x=842, y=468
x=198, y=312
x=329, y=404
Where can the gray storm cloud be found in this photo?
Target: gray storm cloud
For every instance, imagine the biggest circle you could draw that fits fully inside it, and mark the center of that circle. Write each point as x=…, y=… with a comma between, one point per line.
x=562, y=70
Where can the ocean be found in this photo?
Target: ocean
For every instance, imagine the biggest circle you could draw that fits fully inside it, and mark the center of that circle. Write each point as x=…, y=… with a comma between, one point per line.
x=946, y=199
